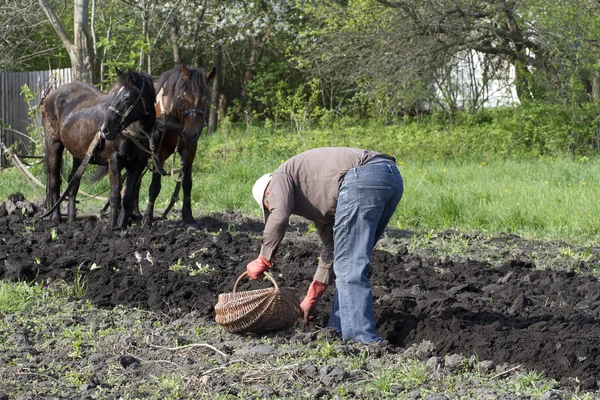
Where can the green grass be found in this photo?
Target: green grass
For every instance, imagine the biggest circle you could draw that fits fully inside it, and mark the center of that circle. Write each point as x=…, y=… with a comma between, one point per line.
x=16, y=297
x=537, y=197
x=540, y=198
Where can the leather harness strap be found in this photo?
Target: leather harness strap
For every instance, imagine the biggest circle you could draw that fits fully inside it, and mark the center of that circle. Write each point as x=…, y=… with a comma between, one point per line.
x=77, y=176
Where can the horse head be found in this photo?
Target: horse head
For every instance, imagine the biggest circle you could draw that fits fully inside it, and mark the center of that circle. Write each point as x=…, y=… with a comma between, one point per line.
x=133, y=97
x=189, y=95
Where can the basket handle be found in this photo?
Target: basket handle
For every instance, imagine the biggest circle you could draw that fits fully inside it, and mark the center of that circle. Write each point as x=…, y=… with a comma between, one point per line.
x=268, y=275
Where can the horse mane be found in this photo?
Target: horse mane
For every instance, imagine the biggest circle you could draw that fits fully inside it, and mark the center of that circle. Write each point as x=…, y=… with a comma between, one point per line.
x=172, y=83
x=129, y=79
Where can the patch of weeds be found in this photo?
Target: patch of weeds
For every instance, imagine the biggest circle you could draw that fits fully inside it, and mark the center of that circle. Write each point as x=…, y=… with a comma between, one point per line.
x=343, y=392
x=577, y=256
x=383, y=380
x=412, y=374
x=170, y=384
x=358, y=361
x=388, y=378
x=455, y=245
x=533, y=383
x=420, y=242
x=29, y=229
x=200, y=269
x=178, y=266
x=53, y=235
x=16, y=297
x=78, y=336
x=77, y=378
x=201, y=250
x=111, y=331
x=325, y=350
x=79, y=285
x=215, y=233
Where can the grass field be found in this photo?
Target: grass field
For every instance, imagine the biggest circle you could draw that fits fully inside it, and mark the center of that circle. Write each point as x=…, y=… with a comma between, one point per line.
x=539, y=197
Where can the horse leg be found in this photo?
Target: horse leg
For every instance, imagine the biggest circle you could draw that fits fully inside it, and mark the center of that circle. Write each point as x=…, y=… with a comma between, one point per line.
x=53, y=158
x=136, y=196
x=152, y=195
x=74, y=190
x=134, y=177
x=187, y=157
x=114, y=174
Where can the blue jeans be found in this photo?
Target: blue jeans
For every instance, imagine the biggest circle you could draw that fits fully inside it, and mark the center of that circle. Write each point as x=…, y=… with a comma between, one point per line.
x=368, y=197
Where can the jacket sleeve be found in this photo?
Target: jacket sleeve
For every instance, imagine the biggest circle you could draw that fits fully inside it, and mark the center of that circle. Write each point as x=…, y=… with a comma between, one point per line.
x=324, y=273
x=281, y=205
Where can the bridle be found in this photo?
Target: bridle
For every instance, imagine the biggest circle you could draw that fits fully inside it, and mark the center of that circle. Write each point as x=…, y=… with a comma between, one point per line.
x=124, y=115
x=183, y=113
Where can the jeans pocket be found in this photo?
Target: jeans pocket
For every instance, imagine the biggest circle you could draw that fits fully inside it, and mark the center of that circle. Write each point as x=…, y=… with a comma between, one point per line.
x=372, y=200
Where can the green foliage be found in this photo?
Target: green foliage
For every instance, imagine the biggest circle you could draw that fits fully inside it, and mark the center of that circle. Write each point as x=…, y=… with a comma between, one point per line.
x=16, y=297
x=325, y=350
x=79, y=285
x=35, y=130
x=500, y=170
x=533, y=383
x=178, y=266
x=409, y=375
x=272, y=78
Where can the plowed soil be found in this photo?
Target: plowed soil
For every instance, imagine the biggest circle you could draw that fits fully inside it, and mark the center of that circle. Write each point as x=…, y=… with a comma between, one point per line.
x=509, y=311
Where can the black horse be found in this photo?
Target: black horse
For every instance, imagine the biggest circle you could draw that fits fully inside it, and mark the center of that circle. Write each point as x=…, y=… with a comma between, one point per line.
x=87, y=122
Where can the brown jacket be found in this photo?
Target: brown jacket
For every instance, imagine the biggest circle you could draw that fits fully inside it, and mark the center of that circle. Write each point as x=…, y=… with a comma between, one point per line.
x=307, y=185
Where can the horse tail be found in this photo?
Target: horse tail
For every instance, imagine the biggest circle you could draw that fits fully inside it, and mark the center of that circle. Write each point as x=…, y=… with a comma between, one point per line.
x=100, y=172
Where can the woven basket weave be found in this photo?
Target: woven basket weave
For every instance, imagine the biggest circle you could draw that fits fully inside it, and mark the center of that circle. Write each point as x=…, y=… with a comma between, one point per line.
x=259, y=310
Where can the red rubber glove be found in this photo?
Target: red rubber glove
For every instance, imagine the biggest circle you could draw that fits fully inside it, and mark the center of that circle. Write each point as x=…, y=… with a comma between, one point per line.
x=315, y=291
x=256, y=268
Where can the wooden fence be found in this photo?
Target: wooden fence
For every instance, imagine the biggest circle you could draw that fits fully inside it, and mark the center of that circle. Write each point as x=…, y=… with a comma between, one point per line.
x=16, y=121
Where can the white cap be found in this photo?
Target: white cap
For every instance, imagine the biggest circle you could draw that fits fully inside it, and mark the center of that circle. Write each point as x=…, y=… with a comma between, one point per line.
x=258, y=192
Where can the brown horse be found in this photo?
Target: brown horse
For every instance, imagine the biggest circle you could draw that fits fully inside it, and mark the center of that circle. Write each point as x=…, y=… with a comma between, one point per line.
x=72, y=116
x=181, y=99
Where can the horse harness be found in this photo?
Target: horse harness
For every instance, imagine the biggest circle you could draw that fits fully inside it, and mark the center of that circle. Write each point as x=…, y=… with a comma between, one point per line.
x=77, y=176
x=175, y=125
x=98, y=139
x=124, y=115
x=154, y=150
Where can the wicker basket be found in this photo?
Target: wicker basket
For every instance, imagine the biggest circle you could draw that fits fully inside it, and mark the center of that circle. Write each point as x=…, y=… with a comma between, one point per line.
x=259, y=310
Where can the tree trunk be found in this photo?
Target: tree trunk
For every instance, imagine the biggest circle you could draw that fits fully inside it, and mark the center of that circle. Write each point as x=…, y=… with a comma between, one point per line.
x=81, y=39
x=78, y=49
x=222, y=106
x=175, y=41
x=596, y=88
x=149, y=55
x=196, y=58
x=250, y=68
x=216, y=88
x=257, y=46
x=144, y=5
x=93, y=46
x=105, y=51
